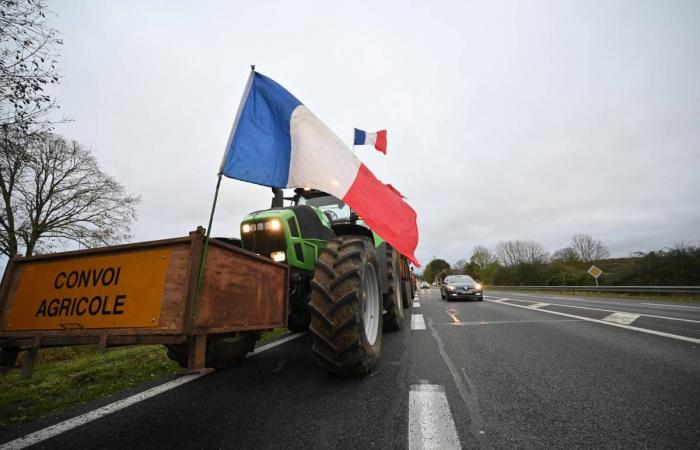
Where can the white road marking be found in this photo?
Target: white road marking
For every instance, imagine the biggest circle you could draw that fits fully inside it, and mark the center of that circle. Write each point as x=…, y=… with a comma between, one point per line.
x=417, y=323
x=671, y=306
x=66, y=425
x=609, y=310
x=620, y=317
x=430, y=423
x=416, y=304
x=612, y=324
x=505, y=322
x=453, y=314
x=538, y=305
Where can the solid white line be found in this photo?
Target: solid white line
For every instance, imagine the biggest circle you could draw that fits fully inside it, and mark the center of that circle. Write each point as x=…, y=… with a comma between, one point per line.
x=671, y=306
x=430, y=423
x=612, y=324
x=416, y=304
x=265, y=347
x=66, y=425
x=620, y=317
x=538, y=305
x=610, y=310
x=417, y=323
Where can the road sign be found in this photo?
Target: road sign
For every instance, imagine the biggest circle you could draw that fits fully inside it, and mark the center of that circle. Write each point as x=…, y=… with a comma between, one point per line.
x=595, y=272
x=114, y=291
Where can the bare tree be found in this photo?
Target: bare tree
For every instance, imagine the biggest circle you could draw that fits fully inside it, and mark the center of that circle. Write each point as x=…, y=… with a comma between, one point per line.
x=460, y=266
x=482, y=257
x=589, y=249
x=566, y=255
x=55, y=193
x=27, y=62
x=516, y=252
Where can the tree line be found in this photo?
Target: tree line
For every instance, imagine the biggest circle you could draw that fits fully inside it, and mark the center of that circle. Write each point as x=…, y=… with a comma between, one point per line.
x=53, y=190
x=528, y=263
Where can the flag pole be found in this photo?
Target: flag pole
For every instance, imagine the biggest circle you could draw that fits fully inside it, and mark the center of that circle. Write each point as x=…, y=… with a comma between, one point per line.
x=205, y=247
x=205, y=251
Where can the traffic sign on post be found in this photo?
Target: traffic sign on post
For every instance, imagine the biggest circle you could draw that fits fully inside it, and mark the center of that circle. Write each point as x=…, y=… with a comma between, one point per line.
x=595, y=273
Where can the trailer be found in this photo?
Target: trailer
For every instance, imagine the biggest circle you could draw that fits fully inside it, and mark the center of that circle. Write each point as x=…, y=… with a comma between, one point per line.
x=144, y=293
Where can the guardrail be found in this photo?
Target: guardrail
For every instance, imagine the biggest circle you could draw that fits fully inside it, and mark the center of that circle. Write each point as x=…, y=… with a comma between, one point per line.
x=692, y=290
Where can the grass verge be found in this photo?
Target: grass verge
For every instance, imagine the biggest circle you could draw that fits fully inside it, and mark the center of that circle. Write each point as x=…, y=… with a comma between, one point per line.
x=70, y=376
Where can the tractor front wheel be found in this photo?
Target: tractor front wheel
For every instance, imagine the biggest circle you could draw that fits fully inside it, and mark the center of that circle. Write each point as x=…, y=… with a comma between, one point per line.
x=346, y=306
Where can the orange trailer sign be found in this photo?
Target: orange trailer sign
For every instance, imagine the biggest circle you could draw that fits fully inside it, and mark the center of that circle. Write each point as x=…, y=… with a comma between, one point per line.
x=114, y=291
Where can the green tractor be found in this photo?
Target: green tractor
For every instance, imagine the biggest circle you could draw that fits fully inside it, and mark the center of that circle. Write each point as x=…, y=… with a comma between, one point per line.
x=346, y=284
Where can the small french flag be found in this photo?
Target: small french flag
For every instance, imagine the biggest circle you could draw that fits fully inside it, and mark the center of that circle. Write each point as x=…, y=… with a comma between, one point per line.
x=377, y=139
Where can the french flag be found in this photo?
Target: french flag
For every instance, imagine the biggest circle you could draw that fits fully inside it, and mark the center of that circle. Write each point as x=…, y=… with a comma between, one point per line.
x=276, y=141
x=377, y=139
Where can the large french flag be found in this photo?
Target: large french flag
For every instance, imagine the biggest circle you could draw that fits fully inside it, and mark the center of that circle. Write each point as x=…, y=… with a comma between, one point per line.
x=276, y=141
x=378, y=139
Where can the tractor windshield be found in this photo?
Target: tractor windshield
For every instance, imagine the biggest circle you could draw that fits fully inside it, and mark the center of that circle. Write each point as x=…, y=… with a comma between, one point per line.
x=333, y=208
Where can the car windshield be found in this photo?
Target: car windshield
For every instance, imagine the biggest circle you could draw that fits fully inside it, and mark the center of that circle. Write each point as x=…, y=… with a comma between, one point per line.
x=459, y=279
x=337, y=209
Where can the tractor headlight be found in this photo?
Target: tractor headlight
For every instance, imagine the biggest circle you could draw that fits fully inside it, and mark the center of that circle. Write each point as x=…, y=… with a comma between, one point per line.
x=478, y=286
x=274, y=225
x=246, y=228
x=278, y=256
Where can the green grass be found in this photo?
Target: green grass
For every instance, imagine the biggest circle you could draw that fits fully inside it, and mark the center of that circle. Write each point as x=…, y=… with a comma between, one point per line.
x=70, y=376
x=615, y=295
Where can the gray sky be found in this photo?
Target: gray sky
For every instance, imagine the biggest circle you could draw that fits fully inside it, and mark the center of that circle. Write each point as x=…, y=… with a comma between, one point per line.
x=507, y=120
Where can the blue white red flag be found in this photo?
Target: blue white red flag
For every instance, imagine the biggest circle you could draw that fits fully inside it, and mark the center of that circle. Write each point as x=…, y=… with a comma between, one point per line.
x=378, y=139
x=276, y=141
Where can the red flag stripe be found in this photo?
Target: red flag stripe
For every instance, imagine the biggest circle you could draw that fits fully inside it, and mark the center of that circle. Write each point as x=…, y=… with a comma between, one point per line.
x=380, y=144
x=385, y=212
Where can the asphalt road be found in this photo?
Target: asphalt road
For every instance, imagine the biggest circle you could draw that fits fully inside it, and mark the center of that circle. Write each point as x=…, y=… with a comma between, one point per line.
x=512, y=371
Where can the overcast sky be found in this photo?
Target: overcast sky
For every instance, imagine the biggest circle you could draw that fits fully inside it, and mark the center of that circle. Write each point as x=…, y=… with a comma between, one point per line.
x=507, y=120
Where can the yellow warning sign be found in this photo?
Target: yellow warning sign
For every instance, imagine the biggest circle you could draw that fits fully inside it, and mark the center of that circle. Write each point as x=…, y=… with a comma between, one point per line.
x=595, y=272
x=115, y=291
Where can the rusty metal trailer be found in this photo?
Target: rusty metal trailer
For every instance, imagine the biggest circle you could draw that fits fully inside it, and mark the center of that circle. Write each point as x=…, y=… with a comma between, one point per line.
x=142, y=293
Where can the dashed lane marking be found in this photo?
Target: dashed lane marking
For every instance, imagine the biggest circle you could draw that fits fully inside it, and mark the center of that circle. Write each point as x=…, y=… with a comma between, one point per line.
x=416, y=304
x=620, y=317
x=417, y=323
x=612, y=324
x=430, y=422
x=453, y=314
x=66, y=425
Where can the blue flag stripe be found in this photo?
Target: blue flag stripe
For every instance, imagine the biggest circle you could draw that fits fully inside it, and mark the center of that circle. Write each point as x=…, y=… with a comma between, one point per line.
x=360, y=137
x=261, y=146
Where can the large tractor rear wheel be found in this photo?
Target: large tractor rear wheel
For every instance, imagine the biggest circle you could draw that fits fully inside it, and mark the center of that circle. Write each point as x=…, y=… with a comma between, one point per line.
x=346, y=306
x=222, y=350
x=8, y=356
x=394, y=301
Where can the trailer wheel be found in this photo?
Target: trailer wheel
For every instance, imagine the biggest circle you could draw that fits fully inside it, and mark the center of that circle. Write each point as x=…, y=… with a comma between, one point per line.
x=8, y=356
x=222, y=350
x=394, y=300
x=346, y=306
x=298, y=320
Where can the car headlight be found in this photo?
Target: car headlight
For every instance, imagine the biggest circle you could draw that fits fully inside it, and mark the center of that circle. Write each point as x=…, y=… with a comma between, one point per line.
x=246, y=228
x=278, y=256
x=478, y=286
x=451, y=288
